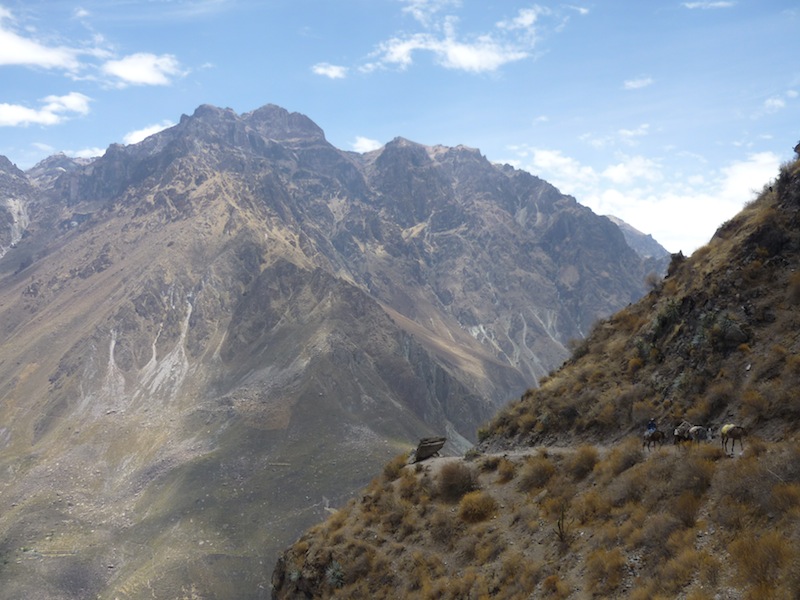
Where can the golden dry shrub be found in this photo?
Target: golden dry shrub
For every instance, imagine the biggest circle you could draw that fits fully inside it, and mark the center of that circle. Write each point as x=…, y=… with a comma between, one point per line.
x=489, y=464
x=582, y=461
x=653, y=536
x=754, y=404
x=685, y=507
x=628, y=486
x=694, y=474
x=476, y=506
x=622, y=457
x=555, y=587
x=761, y=560
x=731, y=514
x=591, y=506
x=786, y=498
x=454, y=480
x=793, y=289
x=391, y=470
x=518, y=575
x=409, y=488
x=605, y=570
x=444, y=528
x=709, y=569
x=535, y=473
x=678, y=571
x=506, y=471
x=634, y=364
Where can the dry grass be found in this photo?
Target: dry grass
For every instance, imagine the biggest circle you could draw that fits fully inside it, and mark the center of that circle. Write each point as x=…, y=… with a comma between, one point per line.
x=582, y=462
x=605, y=570
x=476, y=506
x=506, y=470
x=761, y=559
x=456, y=479
x=535, y=473
x=392, y=469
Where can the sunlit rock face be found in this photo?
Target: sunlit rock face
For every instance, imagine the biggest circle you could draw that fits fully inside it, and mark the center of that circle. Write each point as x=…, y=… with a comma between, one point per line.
x=212, y=337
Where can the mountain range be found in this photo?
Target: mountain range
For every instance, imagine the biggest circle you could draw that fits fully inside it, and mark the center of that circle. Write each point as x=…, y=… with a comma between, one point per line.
x=567, y=495
x=212, y=338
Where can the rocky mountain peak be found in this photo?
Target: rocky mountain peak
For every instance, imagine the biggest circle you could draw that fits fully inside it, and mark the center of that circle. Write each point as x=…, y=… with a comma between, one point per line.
x=233, y=318
x=276, y=123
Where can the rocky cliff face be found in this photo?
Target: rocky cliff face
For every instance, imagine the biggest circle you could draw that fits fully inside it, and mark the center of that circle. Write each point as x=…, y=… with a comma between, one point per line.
x=565, y=497
x=211, y=337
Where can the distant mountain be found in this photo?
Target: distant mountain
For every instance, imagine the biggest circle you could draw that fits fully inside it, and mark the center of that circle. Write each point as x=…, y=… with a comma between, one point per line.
x=213, y=336
x=564, y=497
x=642, y=243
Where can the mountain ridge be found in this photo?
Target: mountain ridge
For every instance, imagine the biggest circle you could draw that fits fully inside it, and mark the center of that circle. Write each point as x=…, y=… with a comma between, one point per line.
x=184, y=317
x=565, y=497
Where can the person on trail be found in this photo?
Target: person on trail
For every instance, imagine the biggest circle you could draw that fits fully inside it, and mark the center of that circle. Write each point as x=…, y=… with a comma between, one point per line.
x=651, y=426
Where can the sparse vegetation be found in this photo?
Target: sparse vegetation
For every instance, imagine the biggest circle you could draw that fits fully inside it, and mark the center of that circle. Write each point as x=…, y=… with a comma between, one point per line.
x=455, y=480
x=715, y=343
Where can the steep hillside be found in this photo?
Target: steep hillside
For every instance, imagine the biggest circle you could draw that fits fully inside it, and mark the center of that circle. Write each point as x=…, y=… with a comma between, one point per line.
x=210, y=338
x=562, y=498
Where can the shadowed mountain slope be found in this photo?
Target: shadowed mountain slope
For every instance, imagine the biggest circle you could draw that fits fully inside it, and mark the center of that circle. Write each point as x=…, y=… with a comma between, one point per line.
x=564, y=499
x=212, y=337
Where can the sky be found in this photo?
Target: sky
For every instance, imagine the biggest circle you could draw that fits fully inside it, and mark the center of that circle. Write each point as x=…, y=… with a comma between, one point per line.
x=668, y=114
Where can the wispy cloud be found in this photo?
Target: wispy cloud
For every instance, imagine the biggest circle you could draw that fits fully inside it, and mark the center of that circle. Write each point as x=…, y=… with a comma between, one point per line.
x=581, y=10
x=708, y=5
x=330, y=71
x=425, y=10
x=54, y=110
x=629, y=135
x=774, y=104
x=509, y=40
x=638, y=83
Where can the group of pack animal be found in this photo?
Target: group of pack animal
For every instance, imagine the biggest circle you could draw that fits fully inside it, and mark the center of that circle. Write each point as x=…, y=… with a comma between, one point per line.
x=686, y=432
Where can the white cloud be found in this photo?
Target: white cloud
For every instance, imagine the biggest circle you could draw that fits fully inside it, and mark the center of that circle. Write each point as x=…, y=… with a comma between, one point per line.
x=629, y=134
x=482, y=54
x=707, y=5
x=579, y=9
x=86, y=152
x=510, y=40
x=18, y=50
x=741, y=179
x=54, y=110
x=424, y=10
x=632, y=169
x=680, y=210
x=637, y=84
x=143, y=68
x=562, y=168
x=134, y=137
x=774, y=104
x=364, y=144
x=330, y=71
x=526, y=18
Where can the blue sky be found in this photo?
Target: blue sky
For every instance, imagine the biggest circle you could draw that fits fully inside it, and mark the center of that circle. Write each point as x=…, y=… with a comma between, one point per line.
x=668, y=114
